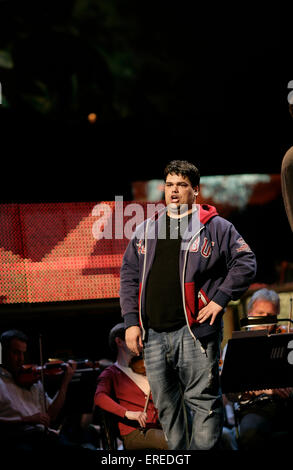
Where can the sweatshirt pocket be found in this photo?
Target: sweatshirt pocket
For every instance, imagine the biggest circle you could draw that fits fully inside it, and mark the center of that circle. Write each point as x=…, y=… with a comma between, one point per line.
x=192, y=307
x=203, y=299
x=191, y=312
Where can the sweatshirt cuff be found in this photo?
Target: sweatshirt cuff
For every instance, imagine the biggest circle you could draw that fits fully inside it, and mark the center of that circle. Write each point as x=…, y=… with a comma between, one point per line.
x=221, y=298
x=131, y=319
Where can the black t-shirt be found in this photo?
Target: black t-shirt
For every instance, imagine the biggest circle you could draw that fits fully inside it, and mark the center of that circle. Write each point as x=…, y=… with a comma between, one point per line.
x=164, y=305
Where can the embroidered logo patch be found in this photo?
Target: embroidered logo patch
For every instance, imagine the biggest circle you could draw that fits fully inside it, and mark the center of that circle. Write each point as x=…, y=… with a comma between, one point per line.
x=140, y=247
x=243, y=245
x=194, y=246
x=206, y=248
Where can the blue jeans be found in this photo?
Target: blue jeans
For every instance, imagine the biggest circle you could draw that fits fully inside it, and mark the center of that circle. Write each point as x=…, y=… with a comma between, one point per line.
x=184, y=379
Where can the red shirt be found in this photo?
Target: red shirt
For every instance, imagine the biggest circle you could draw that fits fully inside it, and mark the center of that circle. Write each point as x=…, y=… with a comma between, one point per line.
x=117, y=393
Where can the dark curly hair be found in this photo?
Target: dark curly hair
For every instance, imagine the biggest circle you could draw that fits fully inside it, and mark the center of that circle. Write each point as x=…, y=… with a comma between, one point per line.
x=184, y=168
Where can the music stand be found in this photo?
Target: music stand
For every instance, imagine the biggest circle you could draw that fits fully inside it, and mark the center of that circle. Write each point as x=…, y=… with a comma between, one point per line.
x=255, y=360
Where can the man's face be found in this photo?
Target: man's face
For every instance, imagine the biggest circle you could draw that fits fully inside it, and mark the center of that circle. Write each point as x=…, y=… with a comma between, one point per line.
x=263, y=308
x=178, y=191
x=15, y=355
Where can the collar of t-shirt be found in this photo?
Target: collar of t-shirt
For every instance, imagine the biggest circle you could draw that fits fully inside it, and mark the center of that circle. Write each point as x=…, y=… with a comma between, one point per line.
x=175, y=224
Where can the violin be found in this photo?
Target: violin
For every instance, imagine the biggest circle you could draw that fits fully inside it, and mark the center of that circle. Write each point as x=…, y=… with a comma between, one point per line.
x=54, y=368
x=137, y=365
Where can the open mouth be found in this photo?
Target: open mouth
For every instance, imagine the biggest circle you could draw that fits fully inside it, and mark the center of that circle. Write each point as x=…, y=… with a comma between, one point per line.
x=175, y=199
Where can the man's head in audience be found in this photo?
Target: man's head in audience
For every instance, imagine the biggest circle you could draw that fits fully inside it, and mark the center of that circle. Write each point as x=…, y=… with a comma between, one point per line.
x=264, y=303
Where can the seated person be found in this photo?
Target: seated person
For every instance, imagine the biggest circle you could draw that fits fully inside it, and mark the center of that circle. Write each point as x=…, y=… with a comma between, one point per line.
x=123, y=392
x=264, y=303
x=263, y=415
x=26, y=412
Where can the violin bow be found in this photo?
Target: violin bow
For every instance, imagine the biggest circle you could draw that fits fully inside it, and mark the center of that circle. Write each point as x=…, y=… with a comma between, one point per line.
x=147, y=400
x=42, y=375
x=142, y=430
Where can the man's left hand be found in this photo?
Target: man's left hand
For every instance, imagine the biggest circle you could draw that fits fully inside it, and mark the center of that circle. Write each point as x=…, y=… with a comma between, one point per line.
x=210, y=310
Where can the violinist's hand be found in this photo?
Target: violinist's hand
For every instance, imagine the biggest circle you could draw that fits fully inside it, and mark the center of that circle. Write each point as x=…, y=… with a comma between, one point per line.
x=210, y=310
x=139, y=416
x=70, y=369
x=37, y=418
x=133, y=339
x=281, y=392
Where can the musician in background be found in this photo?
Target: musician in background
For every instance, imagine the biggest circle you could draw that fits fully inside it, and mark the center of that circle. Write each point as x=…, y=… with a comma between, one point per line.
x=124, y=392
x=26, y=412
x=264, y=303
x=264, y=416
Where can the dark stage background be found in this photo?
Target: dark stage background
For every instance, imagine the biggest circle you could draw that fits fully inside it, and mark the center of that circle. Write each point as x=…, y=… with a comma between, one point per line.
x=164, y=80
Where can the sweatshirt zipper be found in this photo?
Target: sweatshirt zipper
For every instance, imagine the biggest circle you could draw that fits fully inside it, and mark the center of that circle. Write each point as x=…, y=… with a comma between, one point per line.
x=183, y=278
x=142, y=280
x=202, y=298
x=183, y=281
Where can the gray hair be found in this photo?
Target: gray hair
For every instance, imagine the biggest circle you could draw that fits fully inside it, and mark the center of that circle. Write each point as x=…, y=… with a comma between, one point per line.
x=265, y=294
